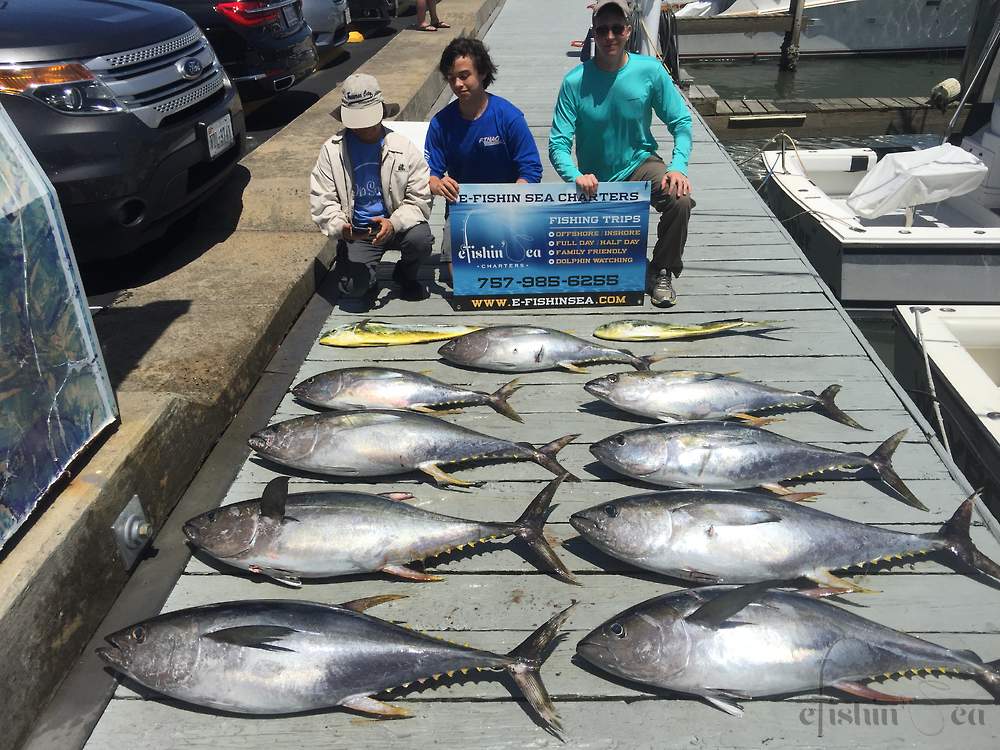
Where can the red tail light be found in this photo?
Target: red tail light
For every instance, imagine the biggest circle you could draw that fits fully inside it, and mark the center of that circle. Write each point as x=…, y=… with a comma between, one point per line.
x=248, y=12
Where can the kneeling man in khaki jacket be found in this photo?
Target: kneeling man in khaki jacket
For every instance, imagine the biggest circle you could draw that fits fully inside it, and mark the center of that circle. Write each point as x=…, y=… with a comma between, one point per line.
x=370, y=188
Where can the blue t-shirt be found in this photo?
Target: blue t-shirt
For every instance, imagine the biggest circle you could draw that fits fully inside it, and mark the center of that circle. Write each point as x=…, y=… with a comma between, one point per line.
x=495, y=147
x=366, y=161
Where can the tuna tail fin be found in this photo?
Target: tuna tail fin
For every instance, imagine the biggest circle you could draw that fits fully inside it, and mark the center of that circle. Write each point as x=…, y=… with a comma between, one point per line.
x=881, y=460
x=990, y=679
x=530, y=525
x=498, y=400
x=642, y=363
x=528, y=659
x=829, y=409
x=955, y=534
x=546, y=457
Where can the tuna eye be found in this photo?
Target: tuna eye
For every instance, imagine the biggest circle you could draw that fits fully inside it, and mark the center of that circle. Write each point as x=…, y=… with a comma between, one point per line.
x=211, y=517
x=617, y=630
x=612, y=378
x=611, y=510
x=620, y=439
x=138, y=634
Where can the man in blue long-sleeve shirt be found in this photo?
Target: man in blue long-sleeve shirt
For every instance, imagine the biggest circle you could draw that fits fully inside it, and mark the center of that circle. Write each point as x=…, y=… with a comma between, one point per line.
x=480, y=137
x=607, y=105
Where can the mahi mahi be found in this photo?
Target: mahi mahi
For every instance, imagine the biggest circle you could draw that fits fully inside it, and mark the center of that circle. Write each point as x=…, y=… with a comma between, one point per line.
x=532, y=348
x=355, y=388
x=283, y=657
x=650, y=330
x=684, y=395
x=324, y=534
x=383, y=443
x=377, y=333
x=725, y=644
x=727, y=455
x=726, y=536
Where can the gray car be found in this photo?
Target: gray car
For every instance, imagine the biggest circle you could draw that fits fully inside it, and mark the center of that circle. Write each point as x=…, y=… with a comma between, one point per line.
x=329, y=20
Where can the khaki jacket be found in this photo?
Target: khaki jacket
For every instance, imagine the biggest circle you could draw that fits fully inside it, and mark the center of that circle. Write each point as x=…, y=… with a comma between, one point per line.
x=405, y=185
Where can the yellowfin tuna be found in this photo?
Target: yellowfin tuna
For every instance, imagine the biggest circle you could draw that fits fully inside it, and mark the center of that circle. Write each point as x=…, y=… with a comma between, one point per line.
x=648, y=330
x=377, y=333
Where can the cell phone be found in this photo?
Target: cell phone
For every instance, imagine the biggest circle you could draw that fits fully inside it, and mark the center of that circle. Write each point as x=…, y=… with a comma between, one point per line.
x=365, y=230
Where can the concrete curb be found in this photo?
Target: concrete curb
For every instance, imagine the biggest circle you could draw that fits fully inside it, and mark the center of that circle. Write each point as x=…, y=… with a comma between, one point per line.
x=183, y=352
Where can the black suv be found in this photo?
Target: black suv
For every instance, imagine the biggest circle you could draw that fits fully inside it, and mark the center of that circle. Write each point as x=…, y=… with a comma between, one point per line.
x=127, y=110
x=265, y=45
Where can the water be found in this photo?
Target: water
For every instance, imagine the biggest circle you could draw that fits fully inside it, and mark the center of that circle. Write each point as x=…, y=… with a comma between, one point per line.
x=826, y=78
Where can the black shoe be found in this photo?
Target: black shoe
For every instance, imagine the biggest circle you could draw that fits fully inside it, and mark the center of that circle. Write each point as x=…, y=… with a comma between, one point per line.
x=413, y=291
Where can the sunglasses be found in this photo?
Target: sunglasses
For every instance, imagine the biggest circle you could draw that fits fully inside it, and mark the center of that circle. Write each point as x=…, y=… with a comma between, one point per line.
x=615, y=28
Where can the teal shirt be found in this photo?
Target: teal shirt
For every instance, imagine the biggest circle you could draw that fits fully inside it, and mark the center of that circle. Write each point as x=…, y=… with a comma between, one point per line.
x=610, y=114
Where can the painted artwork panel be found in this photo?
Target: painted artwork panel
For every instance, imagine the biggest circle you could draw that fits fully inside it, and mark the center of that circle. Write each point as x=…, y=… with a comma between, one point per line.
x=55, y=397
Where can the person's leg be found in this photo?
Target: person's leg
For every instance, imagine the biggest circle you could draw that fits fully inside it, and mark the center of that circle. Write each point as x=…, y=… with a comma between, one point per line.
x=435, y=19
x=422, y=12
x=672, y=227
x=414, y=245
x=356, y=264
x=446, y=270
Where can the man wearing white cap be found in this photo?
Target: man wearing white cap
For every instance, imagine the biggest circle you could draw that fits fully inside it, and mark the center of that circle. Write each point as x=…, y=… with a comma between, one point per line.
x=370, y=188
x=606, y=104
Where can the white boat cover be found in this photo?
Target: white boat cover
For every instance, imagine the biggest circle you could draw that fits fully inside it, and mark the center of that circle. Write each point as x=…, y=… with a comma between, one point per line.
x=913, y=178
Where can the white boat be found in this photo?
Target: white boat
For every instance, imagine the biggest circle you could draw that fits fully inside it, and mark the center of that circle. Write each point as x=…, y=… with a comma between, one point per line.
x=935, y=252
x=835, y=27
x=963, y=349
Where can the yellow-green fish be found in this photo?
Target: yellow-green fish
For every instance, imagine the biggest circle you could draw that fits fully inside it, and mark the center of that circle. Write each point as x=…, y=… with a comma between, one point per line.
x=376, y=333
x=648, y=330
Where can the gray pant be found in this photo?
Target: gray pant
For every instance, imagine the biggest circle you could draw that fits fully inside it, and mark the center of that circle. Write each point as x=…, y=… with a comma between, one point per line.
x=357, y=261
x=672, y=229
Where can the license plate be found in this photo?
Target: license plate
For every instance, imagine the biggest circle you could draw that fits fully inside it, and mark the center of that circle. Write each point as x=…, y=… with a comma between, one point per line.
x=290, y=16
x=220, y=136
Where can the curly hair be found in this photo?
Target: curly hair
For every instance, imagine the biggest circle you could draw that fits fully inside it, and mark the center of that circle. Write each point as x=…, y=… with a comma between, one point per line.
x=476, y=51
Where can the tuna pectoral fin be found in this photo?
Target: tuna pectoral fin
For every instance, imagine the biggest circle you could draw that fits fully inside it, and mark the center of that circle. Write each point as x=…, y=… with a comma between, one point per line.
x=398, y=497
x=788, y=494
x=530, y=528
x=368, y=705
x=367, y=602
x=723, y=702
x=733, y=514
x=546, y=457
x=572, y=368
x=409, y=574
x=262, y=637
x=828, y=579
x=869, y=693
x=752, y=421
x=498, y=400
x=281, y=576
x=829, y=409
x=715, y=612
x=443, y=478
x=881, y=459
x=528, y=659
x=642, y=363
x=955, y=535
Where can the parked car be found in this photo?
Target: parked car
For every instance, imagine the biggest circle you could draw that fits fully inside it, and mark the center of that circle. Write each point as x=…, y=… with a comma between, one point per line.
x=126, y=108
x=377, y=8
x=329, y=21
x=266, y=46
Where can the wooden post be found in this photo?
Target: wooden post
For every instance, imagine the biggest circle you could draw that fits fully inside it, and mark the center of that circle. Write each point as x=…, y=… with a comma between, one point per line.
x=790, y=47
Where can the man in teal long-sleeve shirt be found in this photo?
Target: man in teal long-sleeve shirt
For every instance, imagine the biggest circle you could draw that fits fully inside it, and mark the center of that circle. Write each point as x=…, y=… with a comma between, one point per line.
x=607, y=104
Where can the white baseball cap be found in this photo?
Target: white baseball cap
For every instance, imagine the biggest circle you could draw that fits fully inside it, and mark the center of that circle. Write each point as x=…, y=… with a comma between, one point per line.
x=361, y=104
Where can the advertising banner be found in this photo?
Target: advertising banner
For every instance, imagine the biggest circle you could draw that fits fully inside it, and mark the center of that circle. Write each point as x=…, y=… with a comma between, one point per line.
x=55, y=398
x=528, y=246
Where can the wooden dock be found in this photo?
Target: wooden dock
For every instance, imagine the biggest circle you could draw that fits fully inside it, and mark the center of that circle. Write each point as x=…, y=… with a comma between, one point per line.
x=745, y=118
x=739, y=262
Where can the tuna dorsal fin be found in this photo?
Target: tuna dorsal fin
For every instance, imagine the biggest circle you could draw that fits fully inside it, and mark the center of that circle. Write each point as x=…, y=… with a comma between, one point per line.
x=263, y=637
x=713, y=613
x=272, y=501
